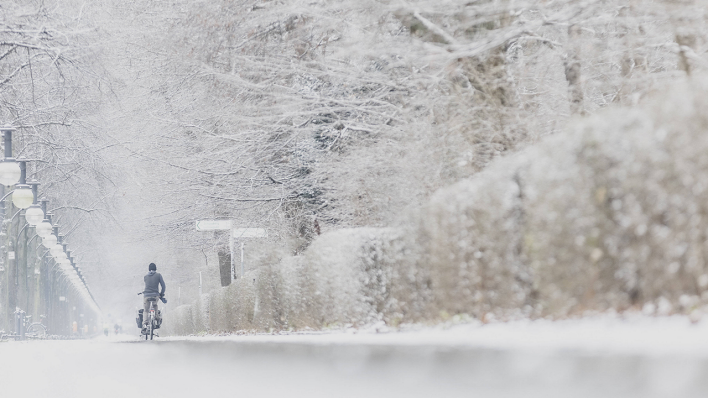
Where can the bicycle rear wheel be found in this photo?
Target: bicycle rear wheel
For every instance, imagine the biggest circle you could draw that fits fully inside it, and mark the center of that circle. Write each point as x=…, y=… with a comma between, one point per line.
x=36, y=330
x=151, y=325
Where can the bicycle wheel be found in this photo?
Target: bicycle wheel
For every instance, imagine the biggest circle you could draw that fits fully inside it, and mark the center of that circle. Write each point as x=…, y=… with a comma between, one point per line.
x=145, y=325
x=152, y=324
x=148, y=334
x=36, y=330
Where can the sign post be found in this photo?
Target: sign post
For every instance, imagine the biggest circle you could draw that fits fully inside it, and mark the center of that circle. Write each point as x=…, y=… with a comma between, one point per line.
x=242, y=233
x=236, y=233
x=218, y=225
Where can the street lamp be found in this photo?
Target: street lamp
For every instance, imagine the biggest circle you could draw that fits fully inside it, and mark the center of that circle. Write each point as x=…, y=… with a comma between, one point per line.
x=9, y=169
x=66, y=265
x=44, y=228
x=34, y=214
x=22, y=196
x=49, y=241
x=57, y=251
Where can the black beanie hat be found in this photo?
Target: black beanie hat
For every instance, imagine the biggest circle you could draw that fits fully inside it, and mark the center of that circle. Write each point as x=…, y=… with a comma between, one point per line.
x=152, y=267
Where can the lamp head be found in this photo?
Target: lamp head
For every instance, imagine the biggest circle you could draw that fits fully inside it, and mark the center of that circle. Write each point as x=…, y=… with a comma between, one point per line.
x=22, y=197
x=10, y=172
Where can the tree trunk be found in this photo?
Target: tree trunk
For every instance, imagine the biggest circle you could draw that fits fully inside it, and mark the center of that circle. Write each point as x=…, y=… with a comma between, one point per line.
x=572, y=71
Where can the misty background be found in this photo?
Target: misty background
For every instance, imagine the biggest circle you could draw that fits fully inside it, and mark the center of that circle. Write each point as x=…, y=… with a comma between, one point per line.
x=412, y=161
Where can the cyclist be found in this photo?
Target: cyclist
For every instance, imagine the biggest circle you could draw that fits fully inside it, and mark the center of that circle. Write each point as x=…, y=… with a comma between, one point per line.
x=153, y=280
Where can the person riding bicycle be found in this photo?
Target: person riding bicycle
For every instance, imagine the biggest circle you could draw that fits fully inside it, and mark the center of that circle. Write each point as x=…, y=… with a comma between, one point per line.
x=153, y=280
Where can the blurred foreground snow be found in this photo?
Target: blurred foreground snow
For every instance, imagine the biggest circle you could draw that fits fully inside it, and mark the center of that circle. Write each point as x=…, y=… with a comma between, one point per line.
x=630, y=356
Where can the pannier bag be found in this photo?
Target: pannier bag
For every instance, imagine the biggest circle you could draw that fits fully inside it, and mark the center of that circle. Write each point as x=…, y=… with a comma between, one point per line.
x=139, y=319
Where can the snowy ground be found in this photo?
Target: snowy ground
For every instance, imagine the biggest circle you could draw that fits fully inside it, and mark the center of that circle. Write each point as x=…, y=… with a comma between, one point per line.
x=596, y=357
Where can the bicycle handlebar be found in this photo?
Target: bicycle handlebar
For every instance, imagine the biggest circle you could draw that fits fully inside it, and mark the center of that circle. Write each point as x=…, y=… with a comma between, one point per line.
x=162, y=298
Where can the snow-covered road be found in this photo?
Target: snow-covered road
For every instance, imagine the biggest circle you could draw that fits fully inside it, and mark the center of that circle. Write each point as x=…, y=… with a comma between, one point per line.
x=597, y=358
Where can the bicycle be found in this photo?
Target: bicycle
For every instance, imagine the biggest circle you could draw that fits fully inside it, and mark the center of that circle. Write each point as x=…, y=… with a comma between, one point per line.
x=25, y=328
x=152, y=320
x=35, y=330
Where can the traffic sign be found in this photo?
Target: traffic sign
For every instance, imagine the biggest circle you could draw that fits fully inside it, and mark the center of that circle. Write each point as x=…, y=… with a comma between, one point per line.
x=236, y=233
x=213, y=225
x=249, y=233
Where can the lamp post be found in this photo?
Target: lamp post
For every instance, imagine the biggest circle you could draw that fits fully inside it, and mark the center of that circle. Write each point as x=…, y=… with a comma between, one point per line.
x=57, y=250
x=33, y=216
x=49, y=241
x=9, y=169
x=9, y=175
x=23, y=195
x=67, y=265
x=34, y=213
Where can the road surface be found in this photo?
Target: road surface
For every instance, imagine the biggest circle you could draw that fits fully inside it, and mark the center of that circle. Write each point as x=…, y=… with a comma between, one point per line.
x=390, y=365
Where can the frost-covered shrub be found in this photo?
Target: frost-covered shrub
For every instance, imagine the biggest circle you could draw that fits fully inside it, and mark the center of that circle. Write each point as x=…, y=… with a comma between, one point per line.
x=281, y=302
x=471, y=234
x=612, y=214
x=346, y=277
x=352, y=276
x=232, y=308
x=609, y=215
x=179, y=321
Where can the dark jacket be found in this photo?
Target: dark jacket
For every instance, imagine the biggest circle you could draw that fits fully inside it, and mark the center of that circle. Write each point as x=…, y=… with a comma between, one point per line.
x=152, y=280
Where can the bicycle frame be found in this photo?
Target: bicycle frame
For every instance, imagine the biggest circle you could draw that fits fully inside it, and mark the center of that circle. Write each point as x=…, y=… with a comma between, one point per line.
x=151, y=320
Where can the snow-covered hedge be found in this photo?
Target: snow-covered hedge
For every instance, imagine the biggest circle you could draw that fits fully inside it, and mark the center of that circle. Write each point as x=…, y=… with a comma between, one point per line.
x=612, y=214
x=346, y=277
